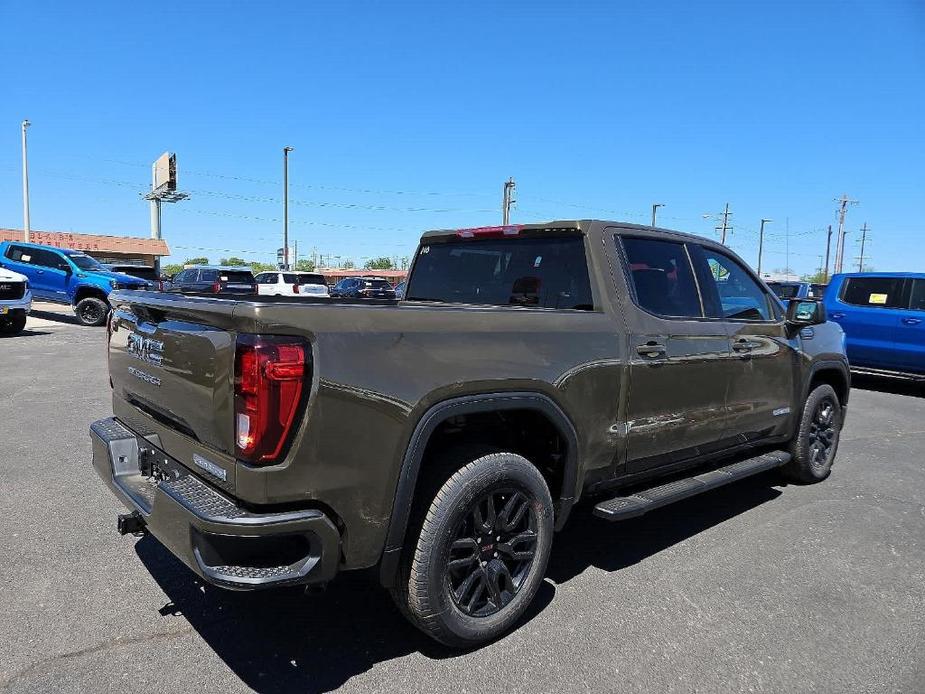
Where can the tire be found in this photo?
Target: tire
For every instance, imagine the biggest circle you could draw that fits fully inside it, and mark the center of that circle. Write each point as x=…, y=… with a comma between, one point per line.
x=459, y=583
x=91, y=311
x=12, y=325
x=816, y=442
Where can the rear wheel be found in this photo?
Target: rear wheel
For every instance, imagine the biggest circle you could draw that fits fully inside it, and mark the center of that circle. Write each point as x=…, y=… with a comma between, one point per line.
x=816, y=442
x=12, y=325
x=91, y=311
x=481, y=552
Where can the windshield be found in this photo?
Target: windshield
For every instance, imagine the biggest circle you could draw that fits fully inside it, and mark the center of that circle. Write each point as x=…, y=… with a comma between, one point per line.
x=84, y=262
x=375, y=284
x=547, y=272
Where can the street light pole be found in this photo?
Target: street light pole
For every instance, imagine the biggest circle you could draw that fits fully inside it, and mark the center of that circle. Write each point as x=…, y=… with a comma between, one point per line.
x=286, y=151
x=761, y=243
x=655, y=206
x=25, y=183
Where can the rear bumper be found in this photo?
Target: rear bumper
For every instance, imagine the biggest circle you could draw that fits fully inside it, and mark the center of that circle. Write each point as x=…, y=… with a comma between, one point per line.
x=219, y=540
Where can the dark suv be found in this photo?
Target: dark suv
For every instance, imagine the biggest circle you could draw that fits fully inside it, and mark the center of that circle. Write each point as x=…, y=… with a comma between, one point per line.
x=213, y=280
x=363, y=288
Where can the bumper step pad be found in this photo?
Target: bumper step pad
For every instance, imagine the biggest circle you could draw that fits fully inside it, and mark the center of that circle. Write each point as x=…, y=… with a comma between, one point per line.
x=643, y=501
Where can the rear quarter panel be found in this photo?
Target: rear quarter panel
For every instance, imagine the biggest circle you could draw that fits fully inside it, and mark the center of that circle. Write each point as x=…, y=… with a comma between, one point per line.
x=378, y=369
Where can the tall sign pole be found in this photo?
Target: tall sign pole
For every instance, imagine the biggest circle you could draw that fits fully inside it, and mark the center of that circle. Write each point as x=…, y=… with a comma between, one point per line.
x=155, y=205
x=828, y=249
x=163, y=189
x=761, y=243
x=25, y=184
x=507, y=201
x=655, y=207
x=286, y=151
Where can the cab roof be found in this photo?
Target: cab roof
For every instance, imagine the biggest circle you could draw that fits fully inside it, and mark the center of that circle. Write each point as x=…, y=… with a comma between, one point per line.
x=554, y=227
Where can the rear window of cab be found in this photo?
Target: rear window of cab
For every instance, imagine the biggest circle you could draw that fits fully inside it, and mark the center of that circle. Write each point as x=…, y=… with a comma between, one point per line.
x=545, y=271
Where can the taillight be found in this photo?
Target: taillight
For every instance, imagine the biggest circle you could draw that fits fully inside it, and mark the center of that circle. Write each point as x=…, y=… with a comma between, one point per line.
x=216, y=287
x=269, y=381
x=295, y=289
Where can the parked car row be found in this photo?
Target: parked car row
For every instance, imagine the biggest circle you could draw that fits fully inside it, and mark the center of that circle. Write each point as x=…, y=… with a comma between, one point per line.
x=67, y=277
x=797, y=290
x=882, y=314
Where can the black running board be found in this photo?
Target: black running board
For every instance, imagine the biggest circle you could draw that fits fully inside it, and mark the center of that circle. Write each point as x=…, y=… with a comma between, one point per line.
x=624, y=507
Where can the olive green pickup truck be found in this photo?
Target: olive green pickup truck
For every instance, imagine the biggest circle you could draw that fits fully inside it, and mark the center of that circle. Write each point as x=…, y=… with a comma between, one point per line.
x=443, y=439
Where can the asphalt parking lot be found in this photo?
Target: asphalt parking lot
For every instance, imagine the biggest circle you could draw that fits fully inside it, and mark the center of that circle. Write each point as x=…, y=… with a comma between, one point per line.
x=753, y=587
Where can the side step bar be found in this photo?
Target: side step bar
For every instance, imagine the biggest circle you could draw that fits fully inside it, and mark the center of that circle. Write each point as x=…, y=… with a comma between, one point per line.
x=624, y=507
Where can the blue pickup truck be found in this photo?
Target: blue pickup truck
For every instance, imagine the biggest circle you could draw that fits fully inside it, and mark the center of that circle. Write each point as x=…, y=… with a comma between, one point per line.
x=67, y=277
x=883, y=316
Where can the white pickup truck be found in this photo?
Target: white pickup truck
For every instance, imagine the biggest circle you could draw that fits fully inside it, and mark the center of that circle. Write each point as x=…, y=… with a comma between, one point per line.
x=15, y=302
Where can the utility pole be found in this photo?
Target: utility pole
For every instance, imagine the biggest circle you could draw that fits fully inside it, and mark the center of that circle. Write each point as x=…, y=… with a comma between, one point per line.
x=286, y=151
x=864, y=231
x=724, y=227
x=655, y=206
x=761, y=242
x=828, y=248
x=507, y=201
x=25, y=184
x=726, y=214
x=843, y=203
x=295, y=254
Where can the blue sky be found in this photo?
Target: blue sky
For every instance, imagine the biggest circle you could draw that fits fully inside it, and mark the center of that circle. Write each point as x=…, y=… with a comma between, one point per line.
x=409, y=116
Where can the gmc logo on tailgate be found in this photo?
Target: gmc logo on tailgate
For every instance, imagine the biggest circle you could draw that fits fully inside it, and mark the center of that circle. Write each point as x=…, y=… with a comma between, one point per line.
x=146, y=349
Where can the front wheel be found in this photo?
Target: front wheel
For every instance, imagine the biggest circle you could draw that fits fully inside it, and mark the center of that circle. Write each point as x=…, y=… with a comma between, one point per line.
x=481, y=552
x=12, y=325
x=91, y=311
x=816, y=441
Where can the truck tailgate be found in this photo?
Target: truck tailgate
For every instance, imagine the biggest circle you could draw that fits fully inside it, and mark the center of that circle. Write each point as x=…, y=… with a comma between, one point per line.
x=172, y=358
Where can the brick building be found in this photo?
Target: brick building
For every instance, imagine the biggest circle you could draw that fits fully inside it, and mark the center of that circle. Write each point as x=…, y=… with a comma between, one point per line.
x=106, y=249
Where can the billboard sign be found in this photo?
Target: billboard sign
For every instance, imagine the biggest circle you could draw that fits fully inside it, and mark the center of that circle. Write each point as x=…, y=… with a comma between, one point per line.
x=165, y=172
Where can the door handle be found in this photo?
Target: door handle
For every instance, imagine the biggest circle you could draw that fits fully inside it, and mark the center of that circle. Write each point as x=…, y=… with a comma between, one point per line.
x=912, y=321
x=39, y=272
x=743, y=345
x=652, y=349
x=838, y=314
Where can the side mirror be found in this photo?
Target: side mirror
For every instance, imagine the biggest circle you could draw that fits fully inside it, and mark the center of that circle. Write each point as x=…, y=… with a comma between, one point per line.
x=65, y=268
x=804, y=312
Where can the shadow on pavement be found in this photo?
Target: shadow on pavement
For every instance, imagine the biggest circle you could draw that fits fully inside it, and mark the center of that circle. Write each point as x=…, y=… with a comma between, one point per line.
x=68, y=318
x=894, y=386
x=283, y=640
x=589, y=541
x=25, y=333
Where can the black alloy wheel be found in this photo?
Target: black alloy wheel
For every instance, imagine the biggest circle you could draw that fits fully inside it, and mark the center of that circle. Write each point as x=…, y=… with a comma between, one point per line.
x=815, y=441
x=478, y=553
x=822, y=433
x=492, y=553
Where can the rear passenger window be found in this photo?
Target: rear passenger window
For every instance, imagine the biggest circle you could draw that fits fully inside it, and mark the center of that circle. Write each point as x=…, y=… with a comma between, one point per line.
x=662, y=277
x=289, y=278
x=875, y=292
x=917, y=300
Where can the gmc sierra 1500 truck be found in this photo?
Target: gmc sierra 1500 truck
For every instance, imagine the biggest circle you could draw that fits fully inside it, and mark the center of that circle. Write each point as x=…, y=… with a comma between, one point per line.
x=443, y=439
